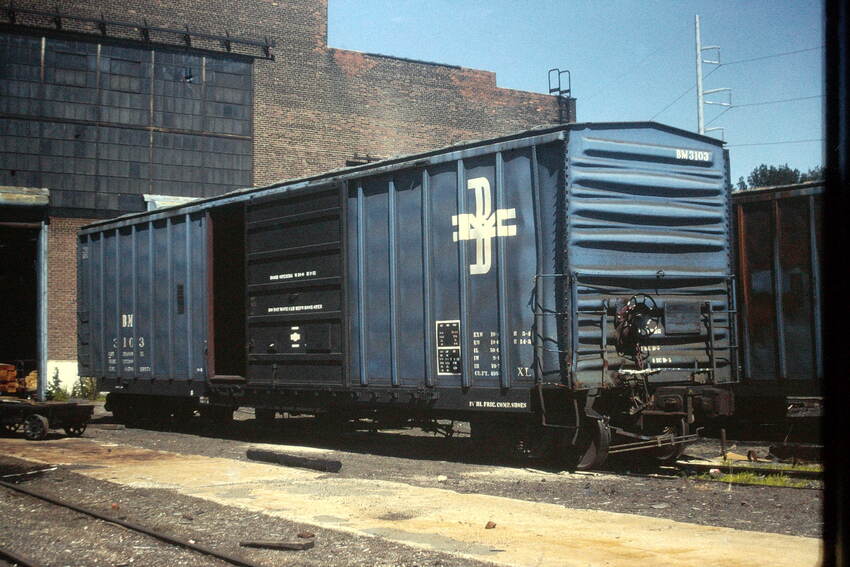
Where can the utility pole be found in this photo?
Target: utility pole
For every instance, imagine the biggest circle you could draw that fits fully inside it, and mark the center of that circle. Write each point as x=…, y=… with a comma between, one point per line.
x=700, y=112
x=701, y=102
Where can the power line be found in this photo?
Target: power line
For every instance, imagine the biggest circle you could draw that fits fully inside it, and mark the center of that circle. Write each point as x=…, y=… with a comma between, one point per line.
x=634, y=68
x=725, y=110
x=734, y=106
x=777, y=101
x=625, y=73
x=772, y=55
x=776, y=143
x=678, y=98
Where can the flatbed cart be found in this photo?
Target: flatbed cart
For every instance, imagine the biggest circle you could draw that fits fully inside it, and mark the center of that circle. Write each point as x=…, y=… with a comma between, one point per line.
x=37, y=418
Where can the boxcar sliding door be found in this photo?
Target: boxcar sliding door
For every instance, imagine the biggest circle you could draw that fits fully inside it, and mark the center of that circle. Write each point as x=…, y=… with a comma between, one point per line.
x=295, y=289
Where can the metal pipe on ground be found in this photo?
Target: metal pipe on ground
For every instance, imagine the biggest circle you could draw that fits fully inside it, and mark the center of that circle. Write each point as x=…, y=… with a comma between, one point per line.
x=324, y=465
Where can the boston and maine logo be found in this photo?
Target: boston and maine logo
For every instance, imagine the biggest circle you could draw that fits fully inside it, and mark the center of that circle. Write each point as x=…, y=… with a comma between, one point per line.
x=483, y=226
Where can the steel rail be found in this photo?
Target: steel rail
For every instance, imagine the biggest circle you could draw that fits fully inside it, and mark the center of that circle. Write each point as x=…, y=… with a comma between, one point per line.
x=16, y=559
x=132, y=526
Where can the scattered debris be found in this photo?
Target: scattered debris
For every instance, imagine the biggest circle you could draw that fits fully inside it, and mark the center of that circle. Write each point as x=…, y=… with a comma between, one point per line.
x=442, y=478
x=324, y=465
x=660, y=506
x=283, y=545
x=306, y=535
x=715, y=473
x=490, y=525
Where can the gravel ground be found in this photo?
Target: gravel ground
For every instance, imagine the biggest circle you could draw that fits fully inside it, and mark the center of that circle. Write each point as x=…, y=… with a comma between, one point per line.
x=416, y=458
x=60, y=537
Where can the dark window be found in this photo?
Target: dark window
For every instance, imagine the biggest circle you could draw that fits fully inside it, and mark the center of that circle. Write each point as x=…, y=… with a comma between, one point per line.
x=125, y=75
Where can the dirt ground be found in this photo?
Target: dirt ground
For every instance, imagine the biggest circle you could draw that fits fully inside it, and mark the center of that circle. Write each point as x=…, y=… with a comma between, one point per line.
x=59, y=537
x=421, y=459
x=409, y=457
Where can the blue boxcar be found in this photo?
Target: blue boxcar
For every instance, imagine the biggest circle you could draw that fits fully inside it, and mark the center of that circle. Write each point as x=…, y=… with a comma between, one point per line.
x=570, y=283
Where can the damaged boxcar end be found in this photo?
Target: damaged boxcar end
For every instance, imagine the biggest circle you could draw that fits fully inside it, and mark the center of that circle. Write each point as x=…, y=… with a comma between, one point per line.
x=567, y=288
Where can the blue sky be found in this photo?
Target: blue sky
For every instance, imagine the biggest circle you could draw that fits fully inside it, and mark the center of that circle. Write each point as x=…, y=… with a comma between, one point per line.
x=629, y=59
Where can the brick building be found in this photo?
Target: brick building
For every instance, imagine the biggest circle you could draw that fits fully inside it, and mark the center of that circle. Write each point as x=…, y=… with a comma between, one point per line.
x=111, y=107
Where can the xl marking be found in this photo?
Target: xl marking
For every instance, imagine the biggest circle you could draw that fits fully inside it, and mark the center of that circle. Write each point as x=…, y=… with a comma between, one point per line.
x=483, y=226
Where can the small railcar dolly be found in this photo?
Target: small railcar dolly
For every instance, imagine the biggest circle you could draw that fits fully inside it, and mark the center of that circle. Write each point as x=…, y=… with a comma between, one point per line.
x=37, y=418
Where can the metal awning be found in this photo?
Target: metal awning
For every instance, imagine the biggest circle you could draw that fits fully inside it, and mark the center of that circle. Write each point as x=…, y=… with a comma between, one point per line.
x=24, y=196
x=23, y=206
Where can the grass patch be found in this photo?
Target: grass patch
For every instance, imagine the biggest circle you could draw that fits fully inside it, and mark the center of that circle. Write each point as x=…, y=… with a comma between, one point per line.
x=757, y=479
x=779, y=467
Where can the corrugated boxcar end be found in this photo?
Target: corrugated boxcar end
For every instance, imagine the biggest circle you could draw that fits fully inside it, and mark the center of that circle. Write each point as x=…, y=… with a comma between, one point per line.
x=649, y=218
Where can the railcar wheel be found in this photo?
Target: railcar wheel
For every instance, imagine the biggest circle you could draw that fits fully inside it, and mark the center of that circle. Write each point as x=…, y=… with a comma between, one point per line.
x=671, y=453
x=36, y=427
x=590, y=449
x=596, y=449
x=75, y=429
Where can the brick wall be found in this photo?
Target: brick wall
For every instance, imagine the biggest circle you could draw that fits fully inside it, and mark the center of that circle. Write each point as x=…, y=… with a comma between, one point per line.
x=62, y=287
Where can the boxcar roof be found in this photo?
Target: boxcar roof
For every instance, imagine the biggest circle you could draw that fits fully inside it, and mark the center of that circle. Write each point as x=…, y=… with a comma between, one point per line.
x=772, y=192
x=459, y=150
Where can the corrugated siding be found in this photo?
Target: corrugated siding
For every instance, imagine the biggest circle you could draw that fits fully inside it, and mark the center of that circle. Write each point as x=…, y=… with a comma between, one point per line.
x=442, y=261
x=143, y=300
x=780, y=252
x=647, y=212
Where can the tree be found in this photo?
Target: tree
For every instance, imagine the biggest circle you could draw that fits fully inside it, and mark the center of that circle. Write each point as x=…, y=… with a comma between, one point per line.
x=767, y=176
x=770, y=175
x=814, y=174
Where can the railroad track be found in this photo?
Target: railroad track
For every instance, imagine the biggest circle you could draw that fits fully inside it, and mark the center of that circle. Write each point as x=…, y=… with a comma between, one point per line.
x=24, y=561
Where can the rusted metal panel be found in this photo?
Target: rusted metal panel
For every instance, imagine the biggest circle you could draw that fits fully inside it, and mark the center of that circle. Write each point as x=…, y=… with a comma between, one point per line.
x=779, y=256
x=24, y=197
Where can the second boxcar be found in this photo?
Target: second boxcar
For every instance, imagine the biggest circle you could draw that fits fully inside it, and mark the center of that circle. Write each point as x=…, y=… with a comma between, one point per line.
x=779, y=254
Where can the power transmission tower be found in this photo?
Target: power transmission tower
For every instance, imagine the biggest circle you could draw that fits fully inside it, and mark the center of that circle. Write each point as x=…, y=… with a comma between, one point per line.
x=701, y=102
